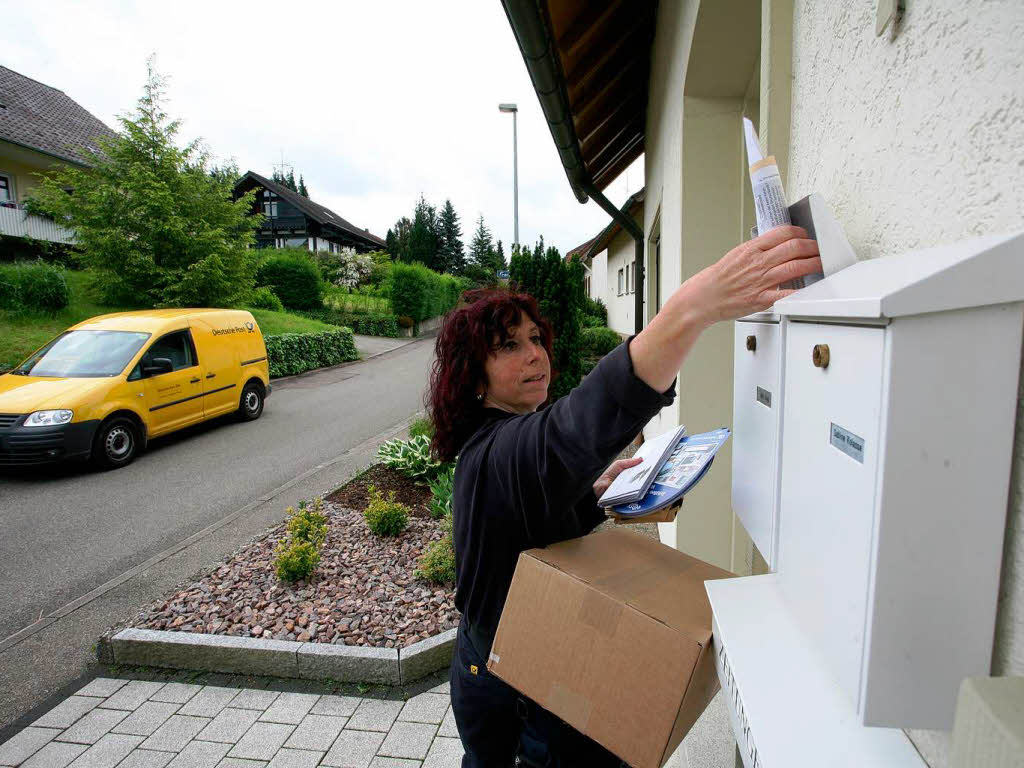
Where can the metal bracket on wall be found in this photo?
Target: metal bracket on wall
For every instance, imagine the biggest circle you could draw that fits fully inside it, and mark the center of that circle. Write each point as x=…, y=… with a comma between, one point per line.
x=888, y=12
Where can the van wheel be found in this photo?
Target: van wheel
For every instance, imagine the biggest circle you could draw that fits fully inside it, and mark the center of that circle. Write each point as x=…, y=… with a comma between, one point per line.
x=116, y=443
x=250, y=407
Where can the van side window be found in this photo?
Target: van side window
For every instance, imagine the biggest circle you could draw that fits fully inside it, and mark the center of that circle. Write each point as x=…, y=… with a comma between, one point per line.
x=176, y=347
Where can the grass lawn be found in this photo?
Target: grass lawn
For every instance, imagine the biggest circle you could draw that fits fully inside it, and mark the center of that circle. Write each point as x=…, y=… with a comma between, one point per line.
x=20, y=336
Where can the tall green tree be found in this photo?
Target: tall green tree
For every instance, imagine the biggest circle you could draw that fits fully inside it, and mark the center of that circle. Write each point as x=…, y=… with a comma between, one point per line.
x=423, y=239
x=452, y=253
x=499, y=258
x=302, y=187
x=398, y=242
x=156, y=223
x=481, y=246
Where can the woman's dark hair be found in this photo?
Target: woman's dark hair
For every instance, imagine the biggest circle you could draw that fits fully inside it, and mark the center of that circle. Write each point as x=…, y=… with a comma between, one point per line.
x=470, y=333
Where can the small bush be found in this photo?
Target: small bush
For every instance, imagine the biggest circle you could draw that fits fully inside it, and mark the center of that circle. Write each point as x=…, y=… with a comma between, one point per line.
x=589, y=321
x=410, y=457
x=265, y=298
x=291, y=353
x=385, y=517
x=597, y=342
x=437, y=564
x=595, y=308
x=296, y=560
x=442, y=489
x=33, y=286
x=422, y=427
x=294, y=278
x=369, y=324
x=309, y=524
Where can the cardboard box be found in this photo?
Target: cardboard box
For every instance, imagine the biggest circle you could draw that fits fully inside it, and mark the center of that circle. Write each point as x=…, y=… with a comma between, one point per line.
x=612, y=633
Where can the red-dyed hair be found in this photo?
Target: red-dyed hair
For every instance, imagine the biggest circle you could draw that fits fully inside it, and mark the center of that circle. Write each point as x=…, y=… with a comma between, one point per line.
x=470, y=333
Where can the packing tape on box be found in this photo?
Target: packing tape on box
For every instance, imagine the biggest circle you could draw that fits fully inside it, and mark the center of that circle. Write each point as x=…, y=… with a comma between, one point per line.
x=574, y=708
x=600, y=612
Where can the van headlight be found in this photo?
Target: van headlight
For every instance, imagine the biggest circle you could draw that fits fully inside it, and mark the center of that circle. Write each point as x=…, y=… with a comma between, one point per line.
x=48, y=418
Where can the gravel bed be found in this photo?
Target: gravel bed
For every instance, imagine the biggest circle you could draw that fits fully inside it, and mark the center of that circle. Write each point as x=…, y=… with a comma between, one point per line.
x=363, y=592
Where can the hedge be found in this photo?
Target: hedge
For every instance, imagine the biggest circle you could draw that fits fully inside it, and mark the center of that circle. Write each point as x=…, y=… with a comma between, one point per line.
x=598, y=342
x=368, y=323
x=33, y=286
x=421, y=293
x=294, y=278
x=291, y=353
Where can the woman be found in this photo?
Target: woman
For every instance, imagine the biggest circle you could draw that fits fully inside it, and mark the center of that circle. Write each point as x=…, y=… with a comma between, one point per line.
x=527, y=478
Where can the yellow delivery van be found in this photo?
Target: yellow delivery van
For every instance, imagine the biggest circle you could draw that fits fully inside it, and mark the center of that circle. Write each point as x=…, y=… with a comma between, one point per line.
x=104, y=387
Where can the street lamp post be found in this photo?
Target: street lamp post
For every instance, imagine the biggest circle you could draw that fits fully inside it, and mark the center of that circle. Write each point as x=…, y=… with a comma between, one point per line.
x=515, y=165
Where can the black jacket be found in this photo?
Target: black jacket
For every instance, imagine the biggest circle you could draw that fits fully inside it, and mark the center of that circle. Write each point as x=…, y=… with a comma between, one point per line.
x=525, y=481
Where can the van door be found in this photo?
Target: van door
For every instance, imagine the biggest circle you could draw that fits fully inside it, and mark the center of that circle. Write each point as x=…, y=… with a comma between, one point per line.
x=218, y=358
x=173, y=399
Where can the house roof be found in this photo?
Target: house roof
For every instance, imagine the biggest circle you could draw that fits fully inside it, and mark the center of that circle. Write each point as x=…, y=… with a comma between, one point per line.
x=590, y=65
x=319, y=213
x=580, y=251
x=604, y=238
x=45, y=119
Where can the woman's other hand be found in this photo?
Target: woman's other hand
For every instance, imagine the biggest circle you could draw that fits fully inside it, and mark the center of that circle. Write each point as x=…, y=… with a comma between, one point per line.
x=748, y=277
x=613, y=471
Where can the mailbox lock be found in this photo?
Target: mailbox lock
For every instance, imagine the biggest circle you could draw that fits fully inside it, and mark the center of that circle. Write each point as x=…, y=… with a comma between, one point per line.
x=820, y=356
x=751, y=343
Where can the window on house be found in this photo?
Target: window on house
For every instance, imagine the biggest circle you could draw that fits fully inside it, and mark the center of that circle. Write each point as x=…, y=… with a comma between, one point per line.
x=269, y=204
x=621, y=273
x=633, y=285
x=586, y=285
x=6, y=189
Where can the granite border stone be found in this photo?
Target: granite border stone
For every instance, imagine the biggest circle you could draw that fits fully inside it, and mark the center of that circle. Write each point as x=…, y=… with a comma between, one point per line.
x=282, y=658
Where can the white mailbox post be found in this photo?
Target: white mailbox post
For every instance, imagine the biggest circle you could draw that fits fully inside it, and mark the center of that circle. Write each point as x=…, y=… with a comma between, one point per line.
x=899, y=399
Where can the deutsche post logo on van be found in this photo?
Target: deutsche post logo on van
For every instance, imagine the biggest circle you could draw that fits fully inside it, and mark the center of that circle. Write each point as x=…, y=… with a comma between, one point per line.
x=248, y=328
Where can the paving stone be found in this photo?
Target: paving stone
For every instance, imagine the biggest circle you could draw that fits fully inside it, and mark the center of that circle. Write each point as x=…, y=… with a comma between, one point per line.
x=200, y=754
x=132, y=695
x=353, y=749
x=444, y=753
x=394, y=762
x=67, y=712
x=427, y=656
x=174, y=734
x=348, y=663
x=230, y=725
x=410, y=740
x=146, y=719
x=445, y=688
x=262, y=741
x=177, y=693
x=93, y=726
x=316, y=733
x=253, y=698
x=290, y=708
x=102, y=687
x=107, y=752
x=296, y=758
x=425, y=708
x=374, y=715
x=212, y=653
x=25, y=743
x=55, y=755
x=234, y=762
x=209, y=701
x=448, y=726
x=343, y=706
x=145, y=758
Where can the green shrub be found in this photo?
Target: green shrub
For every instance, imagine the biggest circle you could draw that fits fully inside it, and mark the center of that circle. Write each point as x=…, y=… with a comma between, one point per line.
x=291, y=353
x=294, y=278
x=404, y=321
x=421, y=293
x=596, y=310
x=296, y=560
x=309, y=524
x=410, y=457
x=369, y=324
x=437, y=564
x=385, y=517
x=442, y=489
x=265, y=298
x=598, y=342
x=589, y=321
x=422, y=427
x=33, y=286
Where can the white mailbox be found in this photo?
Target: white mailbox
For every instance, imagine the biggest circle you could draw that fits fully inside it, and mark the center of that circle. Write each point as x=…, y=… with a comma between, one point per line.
x=900, y=390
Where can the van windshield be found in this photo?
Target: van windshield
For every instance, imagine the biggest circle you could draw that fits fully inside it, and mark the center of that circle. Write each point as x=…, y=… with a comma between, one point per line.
x=84, y=354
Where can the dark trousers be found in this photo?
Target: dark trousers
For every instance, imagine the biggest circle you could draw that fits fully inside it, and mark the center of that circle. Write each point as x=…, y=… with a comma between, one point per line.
x=500, y=728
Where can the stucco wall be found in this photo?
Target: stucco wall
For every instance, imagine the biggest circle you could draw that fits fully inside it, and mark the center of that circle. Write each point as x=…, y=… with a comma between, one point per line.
x=599, y=277
x=23, y=164
x=621, y=251
x=918, y=139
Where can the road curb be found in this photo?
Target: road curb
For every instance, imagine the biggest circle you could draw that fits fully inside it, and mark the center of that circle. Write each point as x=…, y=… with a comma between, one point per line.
x=278, y=658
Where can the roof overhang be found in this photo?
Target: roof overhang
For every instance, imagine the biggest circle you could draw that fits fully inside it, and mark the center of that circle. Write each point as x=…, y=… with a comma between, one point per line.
x=590, y=65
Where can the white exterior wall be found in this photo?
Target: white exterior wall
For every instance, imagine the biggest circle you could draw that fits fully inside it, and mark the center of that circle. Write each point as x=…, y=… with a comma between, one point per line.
x=917, y=139
x=621, y=251
x=599, y=277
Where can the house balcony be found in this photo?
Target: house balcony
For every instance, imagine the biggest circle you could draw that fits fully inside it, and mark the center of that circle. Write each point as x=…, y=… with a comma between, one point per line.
x=15, y=221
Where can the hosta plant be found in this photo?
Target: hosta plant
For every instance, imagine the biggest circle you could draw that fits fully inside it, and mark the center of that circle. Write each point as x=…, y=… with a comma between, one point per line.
x=411, y=457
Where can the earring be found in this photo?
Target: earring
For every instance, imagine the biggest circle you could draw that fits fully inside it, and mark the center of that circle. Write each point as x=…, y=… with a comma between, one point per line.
x=479, y=396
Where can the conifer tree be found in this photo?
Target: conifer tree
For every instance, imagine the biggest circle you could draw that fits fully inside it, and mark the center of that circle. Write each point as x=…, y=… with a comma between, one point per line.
x=302, y=187
x=423, y=240
x=499, y=258
x=481, y=246
x=290, y=183
x=452, y=253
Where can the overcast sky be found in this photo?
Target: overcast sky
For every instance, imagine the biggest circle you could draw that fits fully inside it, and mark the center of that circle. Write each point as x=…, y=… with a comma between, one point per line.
x=374, y=103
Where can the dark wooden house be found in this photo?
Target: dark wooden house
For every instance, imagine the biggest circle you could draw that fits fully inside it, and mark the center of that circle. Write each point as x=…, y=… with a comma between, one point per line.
x=292, y=220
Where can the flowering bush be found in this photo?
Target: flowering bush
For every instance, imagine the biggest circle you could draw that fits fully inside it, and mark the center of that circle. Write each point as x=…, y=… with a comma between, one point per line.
x=353, y=268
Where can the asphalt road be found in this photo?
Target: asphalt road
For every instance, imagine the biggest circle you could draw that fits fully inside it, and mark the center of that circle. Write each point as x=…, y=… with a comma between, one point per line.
x=70, y=530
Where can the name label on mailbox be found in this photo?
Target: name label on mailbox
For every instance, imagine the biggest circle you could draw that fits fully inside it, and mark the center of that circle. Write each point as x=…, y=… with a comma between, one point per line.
x=764, y=397
x=848, y=443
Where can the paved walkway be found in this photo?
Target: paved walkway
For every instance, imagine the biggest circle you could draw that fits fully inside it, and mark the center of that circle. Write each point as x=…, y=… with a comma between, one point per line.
x=140, y=724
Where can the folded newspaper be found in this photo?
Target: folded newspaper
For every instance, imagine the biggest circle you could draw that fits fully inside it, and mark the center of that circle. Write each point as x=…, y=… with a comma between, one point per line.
x=687, y=463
